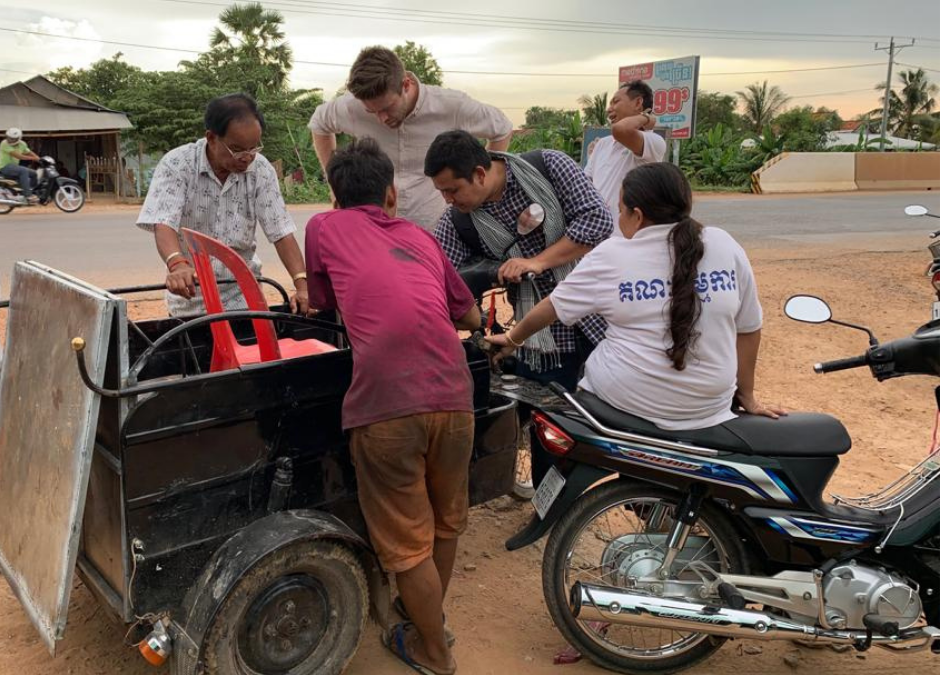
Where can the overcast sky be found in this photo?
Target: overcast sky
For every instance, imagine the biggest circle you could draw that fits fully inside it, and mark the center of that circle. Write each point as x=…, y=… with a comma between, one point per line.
x=525, y=36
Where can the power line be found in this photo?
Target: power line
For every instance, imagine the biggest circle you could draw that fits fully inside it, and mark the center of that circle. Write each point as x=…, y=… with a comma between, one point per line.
x=460, y=72
x=832, y=93
x=570, y=22
x=911, y=65
x=494, y=22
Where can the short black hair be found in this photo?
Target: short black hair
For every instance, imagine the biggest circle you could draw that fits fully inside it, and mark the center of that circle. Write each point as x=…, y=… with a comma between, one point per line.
x=360, y=174
x=226, y=109
x=458, y=151
x=639, y=88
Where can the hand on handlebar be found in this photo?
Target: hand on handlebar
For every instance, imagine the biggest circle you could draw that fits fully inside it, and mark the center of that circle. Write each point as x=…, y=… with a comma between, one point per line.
x=752, y=406
x=182, y=281
x=505, y=348
x=515, y=269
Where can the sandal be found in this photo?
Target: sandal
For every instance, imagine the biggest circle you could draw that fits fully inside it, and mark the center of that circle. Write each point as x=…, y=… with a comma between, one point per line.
x=399, y=606
x=394, y=641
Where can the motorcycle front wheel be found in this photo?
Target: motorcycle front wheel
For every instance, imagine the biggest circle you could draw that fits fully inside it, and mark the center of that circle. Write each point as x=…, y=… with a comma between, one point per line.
x=615, y=535
x=69, y=198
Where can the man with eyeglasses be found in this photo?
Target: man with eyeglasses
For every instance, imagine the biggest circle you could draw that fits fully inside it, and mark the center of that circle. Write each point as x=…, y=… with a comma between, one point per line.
x=221, y=186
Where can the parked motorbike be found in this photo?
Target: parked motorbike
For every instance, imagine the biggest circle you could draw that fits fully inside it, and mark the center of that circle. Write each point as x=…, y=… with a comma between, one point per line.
x=700, y=536
x=64, y=192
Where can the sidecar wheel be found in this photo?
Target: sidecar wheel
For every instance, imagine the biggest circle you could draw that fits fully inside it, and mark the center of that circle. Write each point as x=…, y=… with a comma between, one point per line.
x=300, y=611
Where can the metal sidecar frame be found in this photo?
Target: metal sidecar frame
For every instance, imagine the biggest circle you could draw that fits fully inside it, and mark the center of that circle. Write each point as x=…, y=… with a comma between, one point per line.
x=178, y=481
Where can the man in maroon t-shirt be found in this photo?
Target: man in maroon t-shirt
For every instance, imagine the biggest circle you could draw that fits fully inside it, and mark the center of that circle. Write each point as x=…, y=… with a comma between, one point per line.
x=409, y=408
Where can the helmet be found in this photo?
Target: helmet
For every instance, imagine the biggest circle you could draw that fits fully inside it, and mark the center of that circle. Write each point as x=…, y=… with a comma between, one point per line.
x=14, y=134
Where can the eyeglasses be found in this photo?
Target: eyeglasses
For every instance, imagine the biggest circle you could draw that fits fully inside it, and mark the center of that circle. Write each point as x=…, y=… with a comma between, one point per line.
x=242, y=154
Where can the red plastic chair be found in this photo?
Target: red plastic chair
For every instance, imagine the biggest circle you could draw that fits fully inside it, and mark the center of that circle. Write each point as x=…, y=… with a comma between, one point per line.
x=227, y=353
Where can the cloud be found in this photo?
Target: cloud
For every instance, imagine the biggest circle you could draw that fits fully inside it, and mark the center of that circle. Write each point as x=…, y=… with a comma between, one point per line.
x=59, y=53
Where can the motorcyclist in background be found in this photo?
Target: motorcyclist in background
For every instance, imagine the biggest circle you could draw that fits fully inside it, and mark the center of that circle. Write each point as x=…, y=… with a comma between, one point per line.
x=13, y=149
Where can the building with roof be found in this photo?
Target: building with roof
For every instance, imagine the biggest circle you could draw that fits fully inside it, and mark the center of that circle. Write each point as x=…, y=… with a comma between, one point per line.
x=62, y=124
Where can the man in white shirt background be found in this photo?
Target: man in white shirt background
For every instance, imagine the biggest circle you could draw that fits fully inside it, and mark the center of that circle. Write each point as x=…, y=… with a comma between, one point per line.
x=632, y=142
x=403, y=115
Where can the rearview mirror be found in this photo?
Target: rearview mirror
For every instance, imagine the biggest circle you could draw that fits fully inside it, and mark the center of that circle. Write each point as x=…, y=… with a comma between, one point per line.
x=808, y=309
x=915, y=210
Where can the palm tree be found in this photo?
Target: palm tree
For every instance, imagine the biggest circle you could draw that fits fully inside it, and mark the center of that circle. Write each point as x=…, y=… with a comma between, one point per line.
x=594, y=109
x=251, y=34
x=761, y=103
x=916, y=99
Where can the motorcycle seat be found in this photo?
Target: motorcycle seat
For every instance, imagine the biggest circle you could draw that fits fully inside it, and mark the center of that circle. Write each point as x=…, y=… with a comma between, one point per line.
x=796, y=435
x=7, y=181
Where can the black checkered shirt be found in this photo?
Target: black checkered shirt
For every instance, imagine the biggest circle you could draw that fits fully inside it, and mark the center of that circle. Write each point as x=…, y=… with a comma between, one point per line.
x=588, y=223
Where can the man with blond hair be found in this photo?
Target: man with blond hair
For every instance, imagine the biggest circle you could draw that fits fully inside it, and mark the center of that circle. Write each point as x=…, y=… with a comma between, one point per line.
x=403, y=115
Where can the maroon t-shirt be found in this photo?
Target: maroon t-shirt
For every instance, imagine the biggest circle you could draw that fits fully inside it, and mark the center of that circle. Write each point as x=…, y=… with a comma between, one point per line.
x=398, y=295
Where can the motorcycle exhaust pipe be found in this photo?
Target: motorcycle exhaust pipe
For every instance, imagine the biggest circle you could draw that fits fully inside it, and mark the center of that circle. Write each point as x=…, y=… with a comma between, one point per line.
x=614, y=605
x=10, y=202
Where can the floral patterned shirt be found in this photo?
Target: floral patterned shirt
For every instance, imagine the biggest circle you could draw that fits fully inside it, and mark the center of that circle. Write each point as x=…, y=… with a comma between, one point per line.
x=185, y=192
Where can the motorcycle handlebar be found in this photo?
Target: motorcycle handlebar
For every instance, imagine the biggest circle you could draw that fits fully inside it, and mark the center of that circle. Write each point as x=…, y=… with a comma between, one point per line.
x=841, y=364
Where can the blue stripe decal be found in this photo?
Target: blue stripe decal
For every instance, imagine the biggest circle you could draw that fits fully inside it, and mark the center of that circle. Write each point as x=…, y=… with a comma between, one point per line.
x=783, y=486
x=689, y=466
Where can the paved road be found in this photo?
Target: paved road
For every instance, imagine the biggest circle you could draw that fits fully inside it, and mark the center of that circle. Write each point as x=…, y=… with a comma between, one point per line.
x=105, y=248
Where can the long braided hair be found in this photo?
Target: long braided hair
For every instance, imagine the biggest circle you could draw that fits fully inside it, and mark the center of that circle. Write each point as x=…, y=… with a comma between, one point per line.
x=662, y=192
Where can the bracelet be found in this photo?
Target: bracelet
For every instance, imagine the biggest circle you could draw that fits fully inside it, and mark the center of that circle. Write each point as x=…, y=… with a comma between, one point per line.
x=170, y=257
x=515, y=344
x=300, y=275
x=176, y=263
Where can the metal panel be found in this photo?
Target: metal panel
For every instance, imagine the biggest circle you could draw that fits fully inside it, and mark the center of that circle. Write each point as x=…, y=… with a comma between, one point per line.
x=47, y=428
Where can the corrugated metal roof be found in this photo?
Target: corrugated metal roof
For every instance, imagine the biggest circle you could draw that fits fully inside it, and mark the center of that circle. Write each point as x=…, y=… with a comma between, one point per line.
x=33, y=119
x=41, y=105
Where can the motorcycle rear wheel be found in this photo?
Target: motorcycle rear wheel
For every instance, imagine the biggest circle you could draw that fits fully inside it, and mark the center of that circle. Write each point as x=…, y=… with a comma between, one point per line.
x=6, y=194
x=606, y=538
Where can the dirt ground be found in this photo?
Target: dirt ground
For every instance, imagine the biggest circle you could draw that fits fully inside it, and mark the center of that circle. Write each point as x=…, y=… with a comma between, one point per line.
x=496, y=606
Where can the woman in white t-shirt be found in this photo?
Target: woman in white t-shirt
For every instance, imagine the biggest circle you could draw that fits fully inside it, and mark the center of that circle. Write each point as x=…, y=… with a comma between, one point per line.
x=681, y=304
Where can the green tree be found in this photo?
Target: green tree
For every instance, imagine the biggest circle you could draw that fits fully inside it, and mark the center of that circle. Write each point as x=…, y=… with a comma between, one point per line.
x=101, y=82
x=594, y=109
x=538, y=117
x=250, y=39
x=916, y=98
x=806, y=130
x=712, y=109
x=761, y=103
x=419, y=61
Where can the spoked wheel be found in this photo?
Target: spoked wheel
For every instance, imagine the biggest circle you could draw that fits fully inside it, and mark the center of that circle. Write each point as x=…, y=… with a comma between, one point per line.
x=523, y=489
x=300, y=611
x=6, y=194
x=69, y=198
x=615, y=535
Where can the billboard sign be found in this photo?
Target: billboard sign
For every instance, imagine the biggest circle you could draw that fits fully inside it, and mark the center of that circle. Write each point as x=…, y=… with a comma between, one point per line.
x=675, y=84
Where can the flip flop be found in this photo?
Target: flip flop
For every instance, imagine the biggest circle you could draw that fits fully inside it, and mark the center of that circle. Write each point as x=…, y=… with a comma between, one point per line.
x=394, y=641
x=399, y=606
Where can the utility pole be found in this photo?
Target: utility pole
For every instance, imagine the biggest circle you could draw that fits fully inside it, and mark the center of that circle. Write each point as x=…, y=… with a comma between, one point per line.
x=892, y=50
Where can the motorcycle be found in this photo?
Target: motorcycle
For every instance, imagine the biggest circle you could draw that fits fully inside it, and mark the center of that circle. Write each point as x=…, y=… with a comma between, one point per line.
x=664, y=544
x=64, y=192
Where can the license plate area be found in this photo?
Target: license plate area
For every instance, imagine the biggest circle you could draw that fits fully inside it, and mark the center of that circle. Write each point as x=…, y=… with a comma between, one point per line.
x=549, y=489
x=936, y=310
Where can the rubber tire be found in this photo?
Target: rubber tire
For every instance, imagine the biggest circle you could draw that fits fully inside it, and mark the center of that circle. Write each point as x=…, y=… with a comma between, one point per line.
x=556, y=596
x=5, y=208
x=336, y=567
x=78, y=208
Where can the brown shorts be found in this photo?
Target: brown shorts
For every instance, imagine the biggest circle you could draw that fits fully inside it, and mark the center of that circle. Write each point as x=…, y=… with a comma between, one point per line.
x=413, y=477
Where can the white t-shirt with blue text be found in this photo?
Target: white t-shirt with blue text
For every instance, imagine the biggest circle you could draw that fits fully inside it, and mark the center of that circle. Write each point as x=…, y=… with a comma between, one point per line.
x=627, y=281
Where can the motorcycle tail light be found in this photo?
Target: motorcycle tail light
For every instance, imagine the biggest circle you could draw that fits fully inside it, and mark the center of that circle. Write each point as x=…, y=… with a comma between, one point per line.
x=935, y=280
x=552, y=437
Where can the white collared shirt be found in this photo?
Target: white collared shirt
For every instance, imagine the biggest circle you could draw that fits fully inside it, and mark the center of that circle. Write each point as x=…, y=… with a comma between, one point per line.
x=627, y=281
x=437, y=110
x=185, y=192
